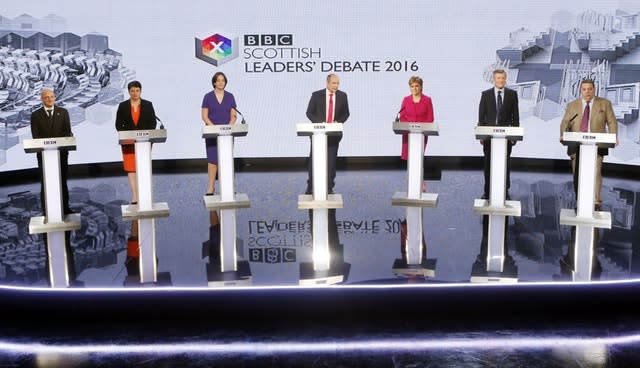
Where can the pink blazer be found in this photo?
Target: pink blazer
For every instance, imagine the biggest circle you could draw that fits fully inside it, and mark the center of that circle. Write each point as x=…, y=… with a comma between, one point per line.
x=414, y=112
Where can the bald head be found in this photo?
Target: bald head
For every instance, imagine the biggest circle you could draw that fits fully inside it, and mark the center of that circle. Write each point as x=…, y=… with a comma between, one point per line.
x=48, y=97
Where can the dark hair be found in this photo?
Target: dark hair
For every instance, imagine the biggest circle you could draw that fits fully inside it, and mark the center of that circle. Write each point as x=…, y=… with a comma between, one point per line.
x=589, y=81
x=215, y=78
x=133, y=84
x=499, y=71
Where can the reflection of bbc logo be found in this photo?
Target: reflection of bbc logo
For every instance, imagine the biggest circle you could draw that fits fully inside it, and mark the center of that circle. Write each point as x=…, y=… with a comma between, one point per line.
x=268, y=40
x=272, y=255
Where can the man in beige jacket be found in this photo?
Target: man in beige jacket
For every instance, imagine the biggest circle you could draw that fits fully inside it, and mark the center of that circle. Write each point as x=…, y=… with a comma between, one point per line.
x=589, y=114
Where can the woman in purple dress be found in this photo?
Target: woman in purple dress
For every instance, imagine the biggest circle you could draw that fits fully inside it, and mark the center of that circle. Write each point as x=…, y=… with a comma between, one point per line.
x=218, y=107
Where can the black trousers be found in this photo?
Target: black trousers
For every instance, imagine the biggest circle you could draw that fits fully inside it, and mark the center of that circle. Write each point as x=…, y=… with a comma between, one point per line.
x=64, y=169
x=332, y=157
x=487, y=166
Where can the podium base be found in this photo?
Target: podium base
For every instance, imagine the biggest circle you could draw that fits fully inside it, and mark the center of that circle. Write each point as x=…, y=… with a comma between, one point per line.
x=163, y=279
x=598, y=219
x=306, y=201
x=334, y=275
x=483, y=207
x=215, y=202
x=425, y=269
x=427, y=200
x=479, y=273
x=133, y=212
x=39, y=225
x=240, y=277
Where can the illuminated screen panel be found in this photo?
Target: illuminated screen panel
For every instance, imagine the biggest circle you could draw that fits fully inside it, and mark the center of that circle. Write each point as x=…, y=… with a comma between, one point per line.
x=276, y=53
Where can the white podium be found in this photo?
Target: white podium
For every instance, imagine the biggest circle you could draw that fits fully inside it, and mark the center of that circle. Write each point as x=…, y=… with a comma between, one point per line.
x=54, y=223
x=319, y=203
x=497, y=208
x=230, y=271
x=146, y=211
x=585, y=219
x=416, y=263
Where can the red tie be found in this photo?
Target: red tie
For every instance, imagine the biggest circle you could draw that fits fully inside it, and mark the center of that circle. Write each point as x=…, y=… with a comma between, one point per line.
x=584, y=125
x=330, y=112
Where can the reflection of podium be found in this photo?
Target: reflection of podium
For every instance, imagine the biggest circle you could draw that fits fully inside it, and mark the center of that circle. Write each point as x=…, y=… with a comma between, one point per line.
x=320, y=202
x=497, y=208
x=230, y=271
x=585, y=219
x=54, y=224
x=146, y=211
x=415, y=200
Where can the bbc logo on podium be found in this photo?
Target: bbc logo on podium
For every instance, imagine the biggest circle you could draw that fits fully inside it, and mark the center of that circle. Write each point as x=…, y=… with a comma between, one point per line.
x=268, y=39
x=272, y=255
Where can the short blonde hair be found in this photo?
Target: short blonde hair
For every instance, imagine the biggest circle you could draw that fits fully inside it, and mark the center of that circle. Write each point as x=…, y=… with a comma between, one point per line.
x=415, y=79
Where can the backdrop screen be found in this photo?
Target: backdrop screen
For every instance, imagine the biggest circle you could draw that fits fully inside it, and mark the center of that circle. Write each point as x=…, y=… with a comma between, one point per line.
x=275, y=53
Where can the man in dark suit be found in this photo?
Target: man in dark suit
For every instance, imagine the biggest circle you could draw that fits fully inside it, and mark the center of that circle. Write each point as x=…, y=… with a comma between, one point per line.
x=328, y=105
x=498, y=106
x=52, y=121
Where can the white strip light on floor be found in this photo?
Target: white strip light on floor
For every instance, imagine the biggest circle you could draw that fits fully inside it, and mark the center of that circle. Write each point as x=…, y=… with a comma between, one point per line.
x=296, y=287
x=377, y=346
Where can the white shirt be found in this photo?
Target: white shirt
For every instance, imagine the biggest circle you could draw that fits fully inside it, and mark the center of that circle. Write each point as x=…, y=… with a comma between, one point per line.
x=47, y=109
x=584, y=105
x=326, y=110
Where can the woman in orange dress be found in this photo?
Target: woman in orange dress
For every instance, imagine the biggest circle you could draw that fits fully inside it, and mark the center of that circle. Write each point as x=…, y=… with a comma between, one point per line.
x=134, y=114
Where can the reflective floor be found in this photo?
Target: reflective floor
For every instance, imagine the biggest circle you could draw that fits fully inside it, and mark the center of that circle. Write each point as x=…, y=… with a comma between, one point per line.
x=376, y=328
x=274, y=236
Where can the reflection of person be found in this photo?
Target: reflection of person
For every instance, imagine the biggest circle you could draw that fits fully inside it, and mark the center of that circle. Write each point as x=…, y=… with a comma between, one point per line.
x=416, y=107
x=132, y=262
x=328, y=105
x=52, y=121
x=498, y=106
x=588, y=114
x=218, y=107
x=134, y=114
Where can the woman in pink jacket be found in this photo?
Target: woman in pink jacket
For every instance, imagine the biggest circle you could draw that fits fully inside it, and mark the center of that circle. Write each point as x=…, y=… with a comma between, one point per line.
x=416, y=107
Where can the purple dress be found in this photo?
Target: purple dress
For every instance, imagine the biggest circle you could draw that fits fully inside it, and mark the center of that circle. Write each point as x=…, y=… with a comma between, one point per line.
x=219, y=114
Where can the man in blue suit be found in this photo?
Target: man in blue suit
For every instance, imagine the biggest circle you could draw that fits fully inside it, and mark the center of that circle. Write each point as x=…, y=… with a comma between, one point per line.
x=498, y=106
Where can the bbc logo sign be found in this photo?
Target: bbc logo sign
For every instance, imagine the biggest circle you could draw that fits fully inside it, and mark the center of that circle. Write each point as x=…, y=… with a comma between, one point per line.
x=268, y=40
x=272, y=255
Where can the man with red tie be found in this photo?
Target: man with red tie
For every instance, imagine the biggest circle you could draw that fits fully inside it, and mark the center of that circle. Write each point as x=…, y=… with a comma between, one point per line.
x=588, y=114
x=331, y=106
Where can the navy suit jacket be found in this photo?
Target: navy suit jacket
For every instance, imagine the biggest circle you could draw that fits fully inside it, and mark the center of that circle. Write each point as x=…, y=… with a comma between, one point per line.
x=44, y=127
x=317, y=109
x=147, y=120
x=510, y=115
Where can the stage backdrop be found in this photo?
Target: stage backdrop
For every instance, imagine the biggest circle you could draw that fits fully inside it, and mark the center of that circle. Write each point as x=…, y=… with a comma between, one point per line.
x=275, y=53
